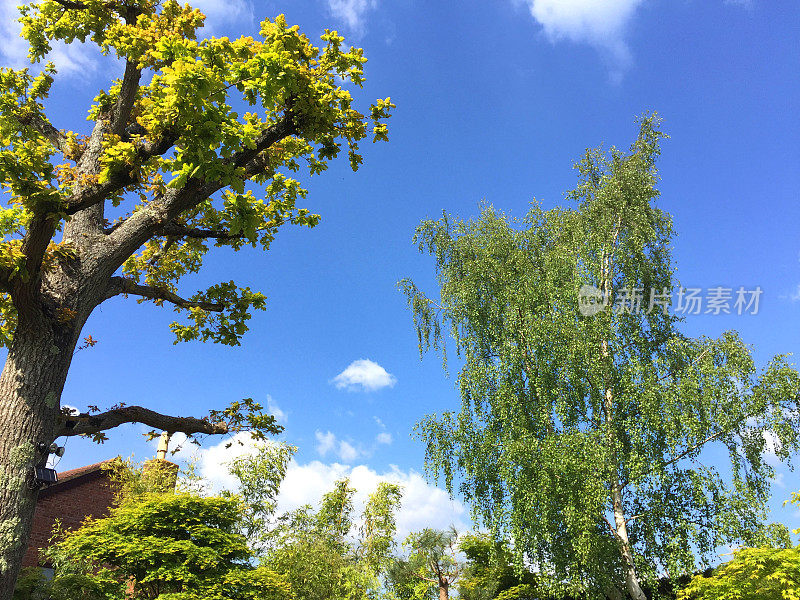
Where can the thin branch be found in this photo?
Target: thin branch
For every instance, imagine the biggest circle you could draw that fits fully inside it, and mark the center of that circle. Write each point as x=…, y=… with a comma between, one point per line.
x=694, y=362
x=86, y=424
x=121, y=285
x=693, y=447
x=127, y=97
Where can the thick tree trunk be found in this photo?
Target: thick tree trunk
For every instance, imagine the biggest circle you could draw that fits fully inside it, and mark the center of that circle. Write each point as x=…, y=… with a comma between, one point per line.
x=30, y=392
x=444, y=591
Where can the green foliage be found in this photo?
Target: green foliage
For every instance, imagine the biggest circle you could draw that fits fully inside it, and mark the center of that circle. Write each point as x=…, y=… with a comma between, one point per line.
x=431, y=565
x=325, y=557
x=260, y=476
x=770, y=572
x=753, y=574
x=491, y=571
x=175, y=546
x=565, y=416
x=183, y=133
x=379, y=526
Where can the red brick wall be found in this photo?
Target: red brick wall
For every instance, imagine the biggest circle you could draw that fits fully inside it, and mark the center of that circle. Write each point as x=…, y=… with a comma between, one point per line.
x=89, y=495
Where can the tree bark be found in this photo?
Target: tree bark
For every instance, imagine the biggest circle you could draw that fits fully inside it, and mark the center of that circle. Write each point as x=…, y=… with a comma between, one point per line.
x=444, y=591
x=30, y=391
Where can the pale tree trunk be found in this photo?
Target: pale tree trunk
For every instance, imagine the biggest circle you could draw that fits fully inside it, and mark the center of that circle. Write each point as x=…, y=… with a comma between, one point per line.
x=30, y=391
x=620, y=529
x=631, y=579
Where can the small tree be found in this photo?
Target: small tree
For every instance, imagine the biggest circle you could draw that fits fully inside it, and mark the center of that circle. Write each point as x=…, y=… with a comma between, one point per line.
x=172, y=166
x=770, y=572
x=491, y=571
x=431, y=567
x=581, y=433
x=176, y=546
x=260, y=475
x=325, y=556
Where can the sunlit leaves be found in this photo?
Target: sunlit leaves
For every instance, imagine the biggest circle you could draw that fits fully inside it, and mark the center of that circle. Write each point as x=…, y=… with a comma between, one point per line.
x=182, y=133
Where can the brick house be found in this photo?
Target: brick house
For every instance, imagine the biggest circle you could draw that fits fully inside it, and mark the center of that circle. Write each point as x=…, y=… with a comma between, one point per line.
x=78, y=494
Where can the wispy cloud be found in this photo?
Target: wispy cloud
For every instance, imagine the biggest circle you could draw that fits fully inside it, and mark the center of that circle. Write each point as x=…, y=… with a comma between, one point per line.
x=222, y=12
x=352, y=12
x=364, y=375
x=328, y=443
x=599, y=23
x=384, y=438
x=281, y=416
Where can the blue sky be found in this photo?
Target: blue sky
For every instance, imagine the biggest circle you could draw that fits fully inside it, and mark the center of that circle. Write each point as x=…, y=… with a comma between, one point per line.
x=495, y=101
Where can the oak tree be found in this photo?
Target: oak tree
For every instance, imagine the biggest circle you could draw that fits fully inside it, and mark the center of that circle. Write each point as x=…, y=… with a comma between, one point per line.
x=193, y=146
x=586, y=432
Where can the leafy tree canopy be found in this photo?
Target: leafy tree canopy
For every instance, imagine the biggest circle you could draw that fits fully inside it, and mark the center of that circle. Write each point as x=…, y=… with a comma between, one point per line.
x=174, y=547
x=581, y=437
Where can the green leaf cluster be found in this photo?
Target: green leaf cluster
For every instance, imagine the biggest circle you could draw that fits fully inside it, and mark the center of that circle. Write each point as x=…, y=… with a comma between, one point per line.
x=185, y=133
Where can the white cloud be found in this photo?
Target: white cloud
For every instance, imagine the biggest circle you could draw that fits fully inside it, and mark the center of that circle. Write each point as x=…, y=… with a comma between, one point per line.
x=384, y=438
x=600, y=23
x=772, y=444
x=352, y=12
x=423, y=505
x=327, y=442
x=795, y=295
x=71, y=59
x=366, y=375
x=272, y=408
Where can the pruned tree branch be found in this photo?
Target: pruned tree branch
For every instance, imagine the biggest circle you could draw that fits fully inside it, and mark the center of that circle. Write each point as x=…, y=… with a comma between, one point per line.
x=56, y=137
x=73, y=4
x=122, y=285
x=181, y=231
x=86, y=424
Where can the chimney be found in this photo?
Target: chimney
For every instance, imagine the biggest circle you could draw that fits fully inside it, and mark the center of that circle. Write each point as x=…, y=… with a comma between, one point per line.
x=163, y=446
x=162, y=473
